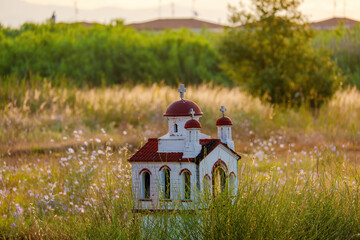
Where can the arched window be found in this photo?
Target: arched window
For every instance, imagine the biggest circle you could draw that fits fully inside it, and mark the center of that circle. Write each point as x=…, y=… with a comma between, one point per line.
x=219, y=177
x=219, y=180
x=175, y=128
x=186, y=182
x=145, y=185
x=207, y=184
x=232, y=182
x=166, y=183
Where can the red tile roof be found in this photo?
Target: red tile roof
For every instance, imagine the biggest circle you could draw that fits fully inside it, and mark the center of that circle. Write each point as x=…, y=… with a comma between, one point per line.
x=182, y=108
x=224, y=121
x=192, y=123
x=148, y=153
x=174, y=23
x=334, y=22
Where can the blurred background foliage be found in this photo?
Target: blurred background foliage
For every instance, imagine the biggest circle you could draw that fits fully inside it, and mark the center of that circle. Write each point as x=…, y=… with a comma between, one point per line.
x=274, y=56
x=270, y=54
x=344, y=44
x=110, y=54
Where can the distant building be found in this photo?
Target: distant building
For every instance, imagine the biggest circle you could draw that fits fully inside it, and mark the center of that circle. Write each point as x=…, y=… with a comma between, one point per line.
x=87, y=24
x=177, y=23
x=333, y=23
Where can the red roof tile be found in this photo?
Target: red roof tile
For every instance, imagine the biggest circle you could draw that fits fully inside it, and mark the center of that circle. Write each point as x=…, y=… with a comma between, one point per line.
x=334, y=22
x=175, y=23
x=223, y=121
x=148, y=153
x=192, y=123
x=182, y=108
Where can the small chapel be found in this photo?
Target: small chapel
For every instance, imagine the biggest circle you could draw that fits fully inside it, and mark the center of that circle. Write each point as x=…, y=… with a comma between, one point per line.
x=175, y=169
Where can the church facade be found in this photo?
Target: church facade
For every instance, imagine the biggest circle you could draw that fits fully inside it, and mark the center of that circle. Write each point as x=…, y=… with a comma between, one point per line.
x=175, y=169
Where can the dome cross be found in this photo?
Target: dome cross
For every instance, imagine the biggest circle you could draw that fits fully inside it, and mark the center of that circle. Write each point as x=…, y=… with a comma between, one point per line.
x=182, y=90
x=192, y=113
x=223, y=110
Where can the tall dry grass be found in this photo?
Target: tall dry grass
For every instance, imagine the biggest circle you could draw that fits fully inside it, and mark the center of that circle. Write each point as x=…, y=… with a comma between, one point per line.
x=63, y=169
x=44, y=112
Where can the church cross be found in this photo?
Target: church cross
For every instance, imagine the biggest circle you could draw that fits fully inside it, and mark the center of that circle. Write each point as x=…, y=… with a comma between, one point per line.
x=192, y=113
x=182, y=90
x=223, y=110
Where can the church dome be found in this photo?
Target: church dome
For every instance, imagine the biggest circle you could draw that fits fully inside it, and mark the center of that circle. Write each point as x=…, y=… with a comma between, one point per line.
x=223, y=121
x=192, y=123
x=182, y=108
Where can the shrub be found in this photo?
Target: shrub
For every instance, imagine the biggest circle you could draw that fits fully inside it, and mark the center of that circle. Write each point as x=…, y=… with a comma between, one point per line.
x=344, y=44
x=272, y=56
x=109, y=53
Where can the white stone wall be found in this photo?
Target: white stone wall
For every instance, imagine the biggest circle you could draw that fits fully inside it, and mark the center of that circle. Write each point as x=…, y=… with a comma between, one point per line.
x=156, y=183
x=225, y=135
x=192, y=146
x=180, y=121
x=175, y=144
x=175, y=141
x=224, y=154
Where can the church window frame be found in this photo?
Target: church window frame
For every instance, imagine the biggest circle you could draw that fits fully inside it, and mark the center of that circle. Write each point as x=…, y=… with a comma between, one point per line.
x=232, y=182
x=207, y=186
x=186, y=184
x=165, y=182
x=145, y=184
x=219, y=177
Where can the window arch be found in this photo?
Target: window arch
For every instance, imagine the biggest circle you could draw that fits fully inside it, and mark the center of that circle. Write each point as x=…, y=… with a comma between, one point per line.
x=207, y=184
x=175, y=128
x=165, y=177
x=145, y=184
x=219, y=177
x=219, y=180
x=186, y=184
x=232, y=182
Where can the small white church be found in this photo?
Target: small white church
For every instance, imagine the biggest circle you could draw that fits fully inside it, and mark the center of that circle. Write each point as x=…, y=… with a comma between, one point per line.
x=175, y=169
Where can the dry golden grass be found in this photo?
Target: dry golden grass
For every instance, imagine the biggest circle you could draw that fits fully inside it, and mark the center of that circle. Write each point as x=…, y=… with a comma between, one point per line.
x=33, y=116
x=64, y=171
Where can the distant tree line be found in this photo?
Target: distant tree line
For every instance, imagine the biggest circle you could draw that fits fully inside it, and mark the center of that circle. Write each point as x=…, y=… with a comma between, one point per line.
x=110, y=53
x=274, y=55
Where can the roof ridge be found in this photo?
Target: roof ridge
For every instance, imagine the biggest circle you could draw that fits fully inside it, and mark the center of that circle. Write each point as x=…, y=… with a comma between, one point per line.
x=149, y=152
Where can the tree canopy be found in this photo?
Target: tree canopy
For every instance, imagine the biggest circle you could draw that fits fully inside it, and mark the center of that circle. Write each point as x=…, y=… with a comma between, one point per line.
x=268, y=50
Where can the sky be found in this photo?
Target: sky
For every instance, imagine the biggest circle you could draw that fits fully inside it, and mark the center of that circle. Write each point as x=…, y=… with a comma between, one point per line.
x=316, y=9
x=16, y=12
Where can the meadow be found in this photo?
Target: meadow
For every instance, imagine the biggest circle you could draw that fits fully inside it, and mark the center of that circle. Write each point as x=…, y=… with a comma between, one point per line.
x=64, y=171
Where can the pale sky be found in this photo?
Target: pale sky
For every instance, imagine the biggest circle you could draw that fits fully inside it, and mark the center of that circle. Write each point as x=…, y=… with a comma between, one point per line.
x=315, y=9
x=16, y=12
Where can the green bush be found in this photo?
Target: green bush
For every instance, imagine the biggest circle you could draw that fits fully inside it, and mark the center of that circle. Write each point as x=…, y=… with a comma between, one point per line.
x=344, y=44
x=109, y=53
x=271, y=55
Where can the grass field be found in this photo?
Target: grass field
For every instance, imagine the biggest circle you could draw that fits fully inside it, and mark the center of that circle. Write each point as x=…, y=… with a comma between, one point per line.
x=64, y=172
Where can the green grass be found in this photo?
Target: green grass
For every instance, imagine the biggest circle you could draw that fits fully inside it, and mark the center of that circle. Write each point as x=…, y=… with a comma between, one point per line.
x=64, y=171
x=86, y=193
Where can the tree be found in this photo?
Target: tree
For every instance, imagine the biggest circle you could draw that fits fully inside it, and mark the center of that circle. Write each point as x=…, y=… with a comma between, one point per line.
x=269, y=52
